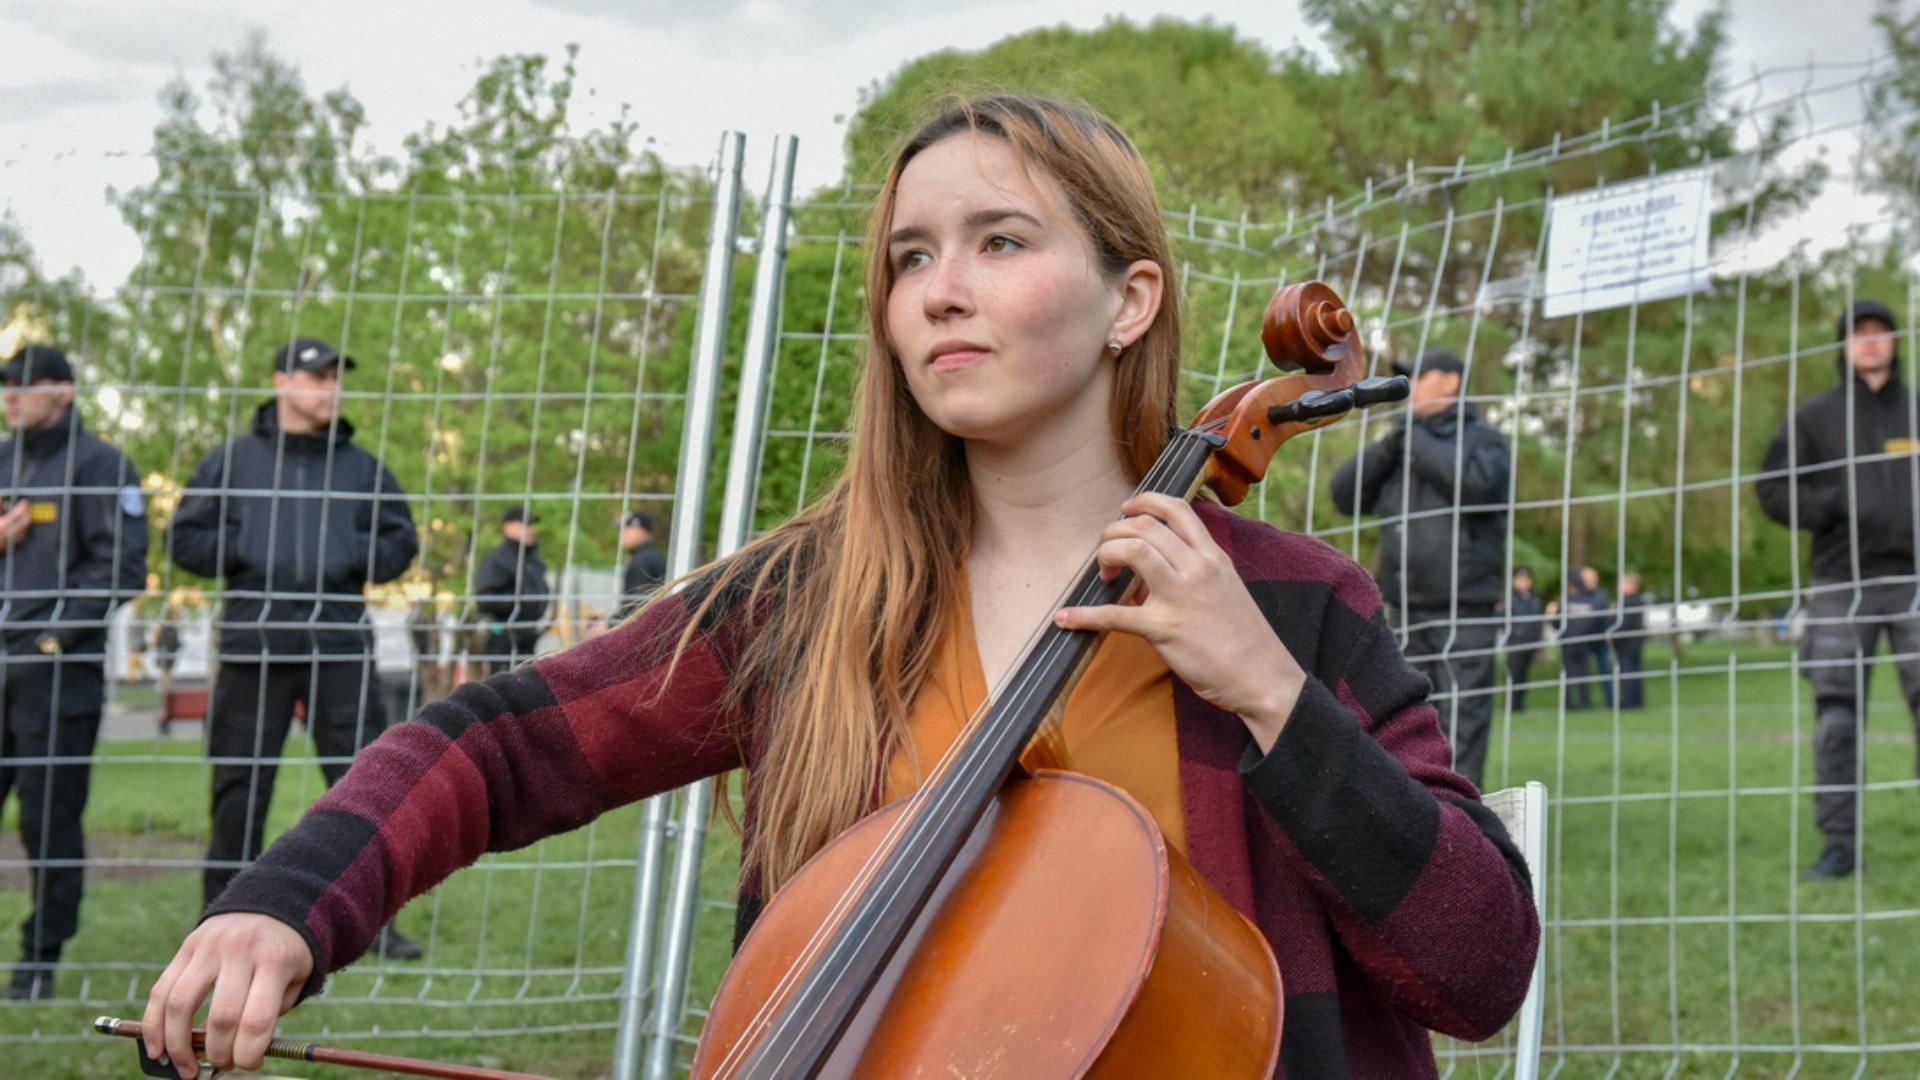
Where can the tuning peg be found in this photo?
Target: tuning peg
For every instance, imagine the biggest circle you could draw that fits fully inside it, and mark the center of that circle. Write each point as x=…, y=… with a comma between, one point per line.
x=1379, y=390
x=1312, y=405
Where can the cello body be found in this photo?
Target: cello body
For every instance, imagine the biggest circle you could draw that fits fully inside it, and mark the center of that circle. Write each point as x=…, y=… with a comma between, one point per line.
x=1066, y=940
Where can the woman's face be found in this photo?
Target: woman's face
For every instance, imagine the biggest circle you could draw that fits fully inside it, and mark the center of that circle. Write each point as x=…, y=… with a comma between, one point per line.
x=999, y=314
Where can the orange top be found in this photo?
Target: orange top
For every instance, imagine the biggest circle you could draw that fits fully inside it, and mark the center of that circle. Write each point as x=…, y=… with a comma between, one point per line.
x=1118, y=725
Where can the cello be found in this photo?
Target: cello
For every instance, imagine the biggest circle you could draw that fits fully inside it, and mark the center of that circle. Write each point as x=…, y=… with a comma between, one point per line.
x=1015, y=918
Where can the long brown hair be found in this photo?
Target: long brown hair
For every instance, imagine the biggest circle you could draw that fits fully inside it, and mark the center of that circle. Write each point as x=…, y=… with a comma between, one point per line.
x=849, y=591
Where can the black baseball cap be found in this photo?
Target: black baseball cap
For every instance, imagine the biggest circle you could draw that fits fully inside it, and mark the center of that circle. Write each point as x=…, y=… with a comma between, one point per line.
x=518, y=513
x=1432, y=360
x=309, y=354
x=37, y=363
x=637, y=517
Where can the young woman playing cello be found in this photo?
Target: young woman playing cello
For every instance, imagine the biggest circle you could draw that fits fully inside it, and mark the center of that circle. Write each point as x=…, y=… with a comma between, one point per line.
x=1021, y=380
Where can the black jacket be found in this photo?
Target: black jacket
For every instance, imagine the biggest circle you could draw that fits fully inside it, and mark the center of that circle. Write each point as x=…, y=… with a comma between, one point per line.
x=646, y=569
x=85, y=552
x=1810, y=453
x=298, y=525
x=1628, y=628
x=1526, y=612
x=1411, y=472
x=1586, y=619
x=510, y=590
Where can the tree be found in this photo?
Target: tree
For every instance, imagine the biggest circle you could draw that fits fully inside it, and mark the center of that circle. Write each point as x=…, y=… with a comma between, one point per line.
x=1216, y=115
x=1896, y=113
x=38, y=309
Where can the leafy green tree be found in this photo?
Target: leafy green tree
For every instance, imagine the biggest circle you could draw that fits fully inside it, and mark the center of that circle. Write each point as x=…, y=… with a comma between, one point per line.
x=38, y=308
x=1216, y=115
x=1895, y=135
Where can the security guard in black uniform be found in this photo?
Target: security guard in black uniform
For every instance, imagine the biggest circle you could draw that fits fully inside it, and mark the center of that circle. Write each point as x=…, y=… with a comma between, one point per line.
x=646, y=567
x=73, y=546
x=510, y=590
x=297, y=519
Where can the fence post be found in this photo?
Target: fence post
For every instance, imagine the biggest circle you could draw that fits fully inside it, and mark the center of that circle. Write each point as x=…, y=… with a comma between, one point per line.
x=736, y=526
x=683, y=554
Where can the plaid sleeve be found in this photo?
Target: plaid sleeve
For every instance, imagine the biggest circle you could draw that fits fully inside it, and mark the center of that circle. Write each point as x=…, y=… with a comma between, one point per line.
x=1425, y=889
x=497, y=765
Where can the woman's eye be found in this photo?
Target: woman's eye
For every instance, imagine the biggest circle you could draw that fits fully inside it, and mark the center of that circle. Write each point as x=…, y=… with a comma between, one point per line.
x=909, y=259
x=999, y=245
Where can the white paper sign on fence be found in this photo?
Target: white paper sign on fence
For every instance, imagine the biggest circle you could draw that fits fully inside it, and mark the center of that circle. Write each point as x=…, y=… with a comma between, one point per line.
x=1646, y=240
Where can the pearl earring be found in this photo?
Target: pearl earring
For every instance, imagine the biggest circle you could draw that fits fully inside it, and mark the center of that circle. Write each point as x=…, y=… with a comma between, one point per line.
x=1114, y=346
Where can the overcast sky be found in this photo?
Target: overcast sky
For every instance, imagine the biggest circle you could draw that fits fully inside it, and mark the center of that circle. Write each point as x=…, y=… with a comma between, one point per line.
x=78, y=94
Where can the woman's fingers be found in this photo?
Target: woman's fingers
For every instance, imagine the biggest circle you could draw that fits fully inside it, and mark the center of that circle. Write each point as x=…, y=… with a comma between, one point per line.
x=182, y=1002
x=1136, y=554
x=1179, y=518
x=230, y=989
x=152, y=1022
x=269, y=997
x=1122, y=618
x=255, y=967
x=1166, y=546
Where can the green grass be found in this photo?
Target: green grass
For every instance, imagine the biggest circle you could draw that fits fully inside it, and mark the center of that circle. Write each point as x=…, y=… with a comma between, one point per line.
x=1677, y=836
x=1666, y=910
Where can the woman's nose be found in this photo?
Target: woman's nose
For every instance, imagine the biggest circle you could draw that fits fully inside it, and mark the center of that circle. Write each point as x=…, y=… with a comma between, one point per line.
x=949, y=288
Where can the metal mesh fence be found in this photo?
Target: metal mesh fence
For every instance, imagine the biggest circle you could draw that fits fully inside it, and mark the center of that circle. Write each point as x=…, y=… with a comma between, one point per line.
x=522, y=329
x=533, y=342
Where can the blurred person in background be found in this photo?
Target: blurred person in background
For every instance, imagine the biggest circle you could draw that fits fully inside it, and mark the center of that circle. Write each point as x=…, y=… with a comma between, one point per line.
x=1439, y=478
x=298, y=520
x=510, y=591
x=433, y=631
x=1628, y=639
x=646, y=566
x=1584, y=621
x=1841, y=466
x=1524, y=610
x=166, y=646
x=73, y=546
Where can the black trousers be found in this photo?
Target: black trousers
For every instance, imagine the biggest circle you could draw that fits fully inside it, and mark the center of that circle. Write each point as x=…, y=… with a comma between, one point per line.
x=247, y=724
x=1519, y=666
x=1587, y=664
x=1576, y=660
x=52, y=720
x=1844, y=626
x=1457, y=657
x=1603, y=667
x=1633, y=687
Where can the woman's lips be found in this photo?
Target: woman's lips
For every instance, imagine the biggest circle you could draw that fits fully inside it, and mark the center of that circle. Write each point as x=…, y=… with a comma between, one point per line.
x=954, y=359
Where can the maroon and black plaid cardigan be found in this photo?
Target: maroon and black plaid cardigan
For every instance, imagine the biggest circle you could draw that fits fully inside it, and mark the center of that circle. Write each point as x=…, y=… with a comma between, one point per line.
x=1393, y=899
